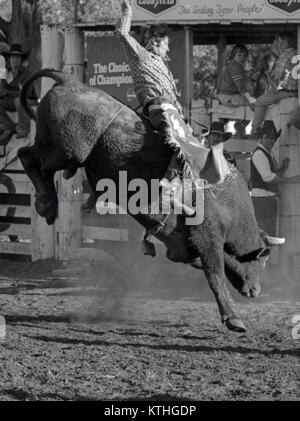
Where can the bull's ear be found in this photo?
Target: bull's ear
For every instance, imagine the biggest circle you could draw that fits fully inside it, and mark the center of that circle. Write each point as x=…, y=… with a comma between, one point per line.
x=262, y=253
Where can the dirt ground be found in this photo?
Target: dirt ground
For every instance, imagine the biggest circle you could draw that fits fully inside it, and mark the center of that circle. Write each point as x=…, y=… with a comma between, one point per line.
x=68, y=339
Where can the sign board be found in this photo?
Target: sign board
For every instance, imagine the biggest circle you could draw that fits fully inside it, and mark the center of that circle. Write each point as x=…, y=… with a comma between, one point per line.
x=108, y=68
x=215, y=10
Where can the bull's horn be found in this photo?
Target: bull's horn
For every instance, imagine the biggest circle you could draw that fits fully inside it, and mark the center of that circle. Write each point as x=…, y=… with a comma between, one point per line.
x=274, y=241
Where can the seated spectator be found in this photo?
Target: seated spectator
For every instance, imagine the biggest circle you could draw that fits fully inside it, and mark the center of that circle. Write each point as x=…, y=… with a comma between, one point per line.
x=266, y=177
x=233, y=87
x=262, y=79
x=286, y=85
x=10, y=95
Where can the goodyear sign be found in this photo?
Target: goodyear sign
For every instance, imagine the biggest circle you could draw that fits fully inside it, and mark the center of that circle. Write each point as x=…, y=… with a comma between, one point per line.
x=206, y=10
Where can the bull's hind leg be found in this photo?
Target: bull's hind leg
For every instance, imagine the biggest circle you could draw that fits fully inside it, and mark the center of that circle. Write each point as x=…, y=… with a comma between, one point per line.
x=213, y=266
x=46, y=197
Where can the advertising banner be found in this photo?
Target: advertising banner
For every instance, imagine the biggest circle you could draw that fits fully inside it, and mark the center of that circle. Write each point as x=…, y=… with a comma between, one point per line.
x=214, y=10
x=108, y=68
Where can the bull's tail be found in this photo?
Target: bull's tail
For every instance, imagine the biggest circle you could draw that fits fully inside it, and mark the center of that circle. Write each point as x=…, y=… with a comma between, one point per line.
x=56, y=75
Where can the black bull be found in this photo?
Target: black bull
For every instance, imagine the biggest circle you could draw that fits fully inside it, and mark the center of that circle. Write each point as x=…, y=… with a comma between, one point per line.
x=74, y=129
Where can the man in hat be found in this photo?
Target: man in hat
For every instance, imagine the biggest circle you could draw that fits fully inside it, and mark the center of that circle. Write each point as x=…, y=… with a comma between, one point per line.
x=10, y=95
x=217, y=136
x=266, y=177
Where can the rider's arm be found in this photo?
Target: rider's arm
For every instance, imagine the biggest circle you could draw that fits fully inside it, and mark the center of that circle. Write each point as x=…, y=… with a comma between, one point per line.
x=126, y=19
x=132, y=47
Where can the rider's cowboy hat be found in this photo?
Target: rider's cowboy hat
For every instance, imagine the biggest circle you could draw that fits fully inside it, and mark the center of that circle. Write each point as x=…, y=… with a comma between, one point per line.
x=218, y=127
x=268, y=128
x=16, y=49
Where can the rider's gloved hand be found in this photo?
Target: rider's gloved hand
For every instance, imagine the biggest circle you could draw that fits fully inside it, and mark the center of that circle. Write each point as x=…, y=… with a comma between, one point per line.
x=126, y=6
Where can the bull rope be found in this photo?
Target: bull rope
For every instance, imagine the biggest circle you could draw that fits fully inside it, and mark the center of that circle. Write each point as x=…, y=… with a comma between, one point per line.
x=115, y=116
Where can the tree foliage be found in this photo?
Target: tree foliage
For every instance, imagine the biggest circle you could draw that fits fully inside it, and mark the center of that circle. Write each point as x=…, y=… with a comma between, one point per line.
x=20, y=23
x=58, y=11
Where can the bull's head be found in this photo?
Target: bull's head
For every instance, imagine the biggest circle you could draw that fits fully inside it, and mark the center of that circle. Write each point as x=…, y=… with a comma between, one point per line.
x=244, y=271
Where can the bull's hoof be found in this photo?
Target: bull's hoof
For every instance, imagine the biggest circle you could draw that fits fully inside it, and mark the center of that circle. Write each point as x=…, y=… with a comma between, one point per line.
x=235, y=325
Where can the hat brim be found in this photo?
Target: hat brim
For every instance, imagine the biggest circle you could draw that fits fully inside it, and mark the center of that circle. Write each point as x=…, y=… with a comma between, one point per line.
x=226, y=135
x=24, y=56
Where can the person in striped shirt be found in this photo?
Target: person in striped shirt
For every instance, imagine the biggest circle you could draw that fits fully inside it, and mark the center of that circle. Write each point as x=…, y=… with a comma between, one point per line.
x=233, y=87
x=233, y=90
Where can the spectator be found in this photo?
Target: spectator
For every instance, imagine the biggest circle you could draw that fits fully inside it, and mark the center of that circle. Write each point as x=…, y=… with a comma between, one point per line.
x=233, y=87
x=265, y=178
x=286, y=86
x=217, y=135
x=10, y=95
x=262, y=79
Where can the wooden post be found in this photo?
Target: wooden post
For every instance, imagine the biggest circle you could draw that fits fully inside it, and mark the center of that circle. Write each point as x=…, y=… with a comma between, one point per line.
x=52, y=53
x=188, y=70
x=43, y=235
x=221, y=56
x=68, y=227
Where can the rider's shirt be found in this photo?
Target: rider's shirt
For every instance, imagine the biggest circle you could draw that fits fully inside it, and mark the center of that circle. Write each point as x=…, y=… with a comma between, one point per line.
x=151, y=75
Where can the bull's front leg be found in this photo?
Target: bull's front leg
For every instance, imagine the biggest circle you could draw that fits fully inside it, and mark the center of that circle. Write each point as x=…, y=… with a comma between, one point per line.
x=213, y=266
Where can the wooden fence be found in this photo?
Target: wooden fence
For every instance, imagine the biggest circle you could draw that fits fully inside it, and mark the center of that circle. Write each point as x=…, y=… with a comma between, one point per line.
x=22, y=231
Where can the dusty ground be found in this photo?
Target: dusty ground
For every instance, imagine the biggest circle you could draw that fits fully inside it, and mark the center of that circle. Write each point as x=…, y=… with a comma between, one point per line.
x=64, y=342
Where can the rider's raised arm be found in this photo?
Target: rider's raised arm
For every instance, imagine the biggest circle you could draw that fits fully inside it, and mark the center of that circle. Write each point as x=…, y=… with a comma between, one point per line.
x=126, y=18
x=132, y=47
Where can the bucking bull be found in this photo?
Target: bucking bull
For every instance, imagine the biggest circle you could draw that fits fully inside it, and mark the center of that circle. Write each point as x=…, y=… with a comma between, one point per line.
x=76, y=128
